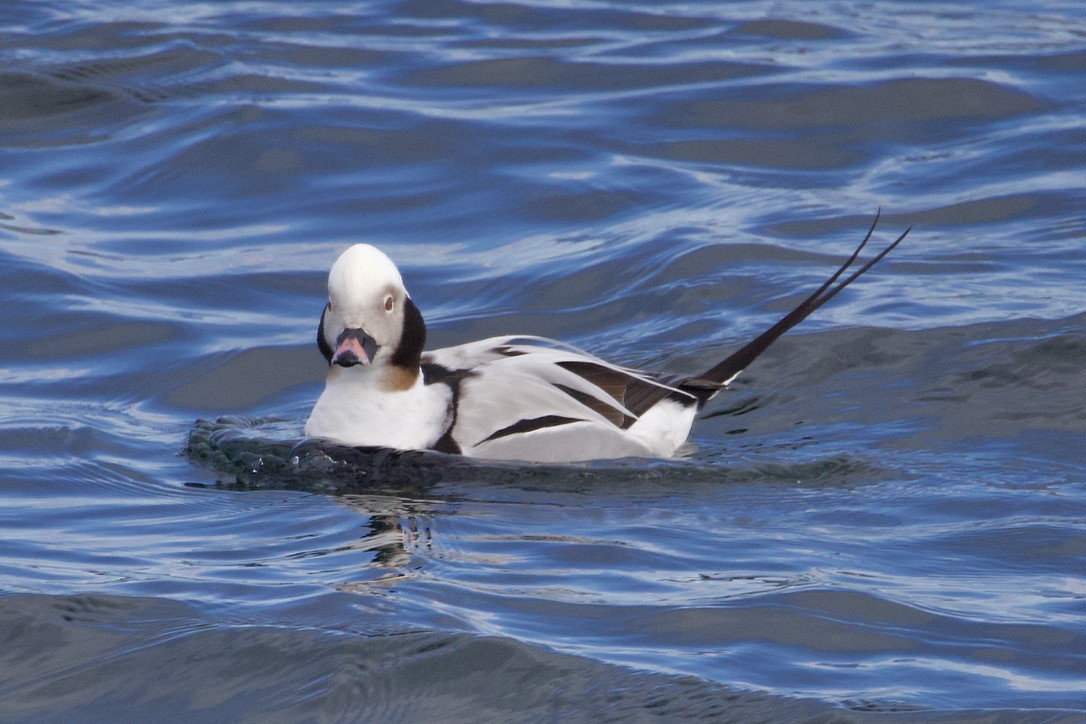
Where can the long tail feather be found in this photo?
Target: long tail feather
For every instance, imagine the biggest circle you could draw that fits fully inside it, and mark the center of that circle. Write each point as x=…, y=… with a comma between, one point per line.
x=707, y=384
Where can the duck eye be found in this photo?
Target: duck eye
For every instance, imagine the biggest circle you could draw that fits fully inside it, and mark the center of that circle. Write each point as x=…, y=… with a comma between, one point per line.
x=388, y=303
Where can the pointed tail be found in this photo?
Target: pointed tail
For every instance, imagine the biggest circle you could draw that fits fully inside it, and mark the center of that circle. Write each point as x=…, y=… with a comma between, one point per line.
x=707, y=384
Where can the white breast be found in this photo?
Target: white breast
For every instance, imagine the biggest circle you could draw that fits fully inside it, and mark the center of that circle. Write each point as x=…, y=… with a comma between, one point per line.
x=352, y=410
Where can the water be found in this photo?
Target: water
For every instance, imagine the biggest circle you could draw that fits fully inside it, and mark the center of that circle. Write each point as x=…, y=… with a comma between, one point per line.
x=884, y=515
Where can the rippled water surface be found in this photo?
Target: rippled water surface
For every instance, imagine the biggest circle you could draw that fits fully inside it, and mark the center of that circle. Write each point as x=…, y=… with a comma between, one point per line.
x=885, y=514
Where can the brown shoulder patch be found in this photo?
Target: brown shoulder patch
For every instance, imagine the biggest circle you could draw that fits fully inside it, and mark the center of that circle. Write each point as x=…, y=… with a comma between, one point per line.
x=398, y=379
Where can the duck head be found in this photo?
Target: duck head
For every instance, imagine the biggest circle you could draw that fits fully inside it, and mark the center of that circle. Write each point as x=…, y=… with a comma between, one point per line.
x=369, y=321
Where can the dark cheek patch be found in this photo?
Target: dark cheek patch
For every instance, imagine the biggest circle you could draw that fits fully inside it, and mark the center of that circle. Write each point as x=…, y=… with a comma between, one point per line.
x=322, y=343
x=408, y=353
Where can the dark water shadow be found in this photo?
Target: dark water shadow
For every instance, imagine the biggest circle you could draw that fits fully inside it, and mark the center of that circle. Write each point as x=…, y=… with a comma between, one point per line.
x=111, y=658
x=92, y=658
x=249, y=453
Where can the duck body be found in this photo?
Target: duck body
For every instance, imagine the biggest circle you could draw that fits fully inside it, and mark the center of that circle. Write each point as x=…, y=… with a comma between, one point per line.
x=504, y=398
x=509, y=398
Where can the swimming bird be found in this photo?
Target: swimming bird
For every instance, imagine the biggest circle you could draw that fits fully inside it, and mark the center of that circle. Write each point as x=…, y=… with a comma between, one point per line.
x=505, y=398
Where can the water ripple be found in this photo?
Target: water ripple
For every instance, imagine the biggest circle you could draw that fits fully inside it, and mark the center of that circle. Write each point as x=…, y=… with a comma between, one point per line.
x=882, y=515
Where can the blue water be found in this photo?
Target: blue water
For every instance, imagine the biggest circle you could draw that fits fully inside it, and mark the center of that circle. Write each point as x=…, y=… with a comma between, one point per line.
x=886, y=514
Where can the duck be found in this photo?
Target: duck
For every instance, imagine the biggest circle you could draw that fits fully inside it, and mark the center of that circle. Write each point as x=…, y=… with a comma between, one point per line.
x=513, y=398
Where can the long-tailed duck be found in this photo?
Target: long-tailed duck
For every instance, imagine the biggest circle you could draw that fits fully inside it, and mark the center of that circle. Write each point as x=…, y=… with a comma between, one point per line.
x=504, y=398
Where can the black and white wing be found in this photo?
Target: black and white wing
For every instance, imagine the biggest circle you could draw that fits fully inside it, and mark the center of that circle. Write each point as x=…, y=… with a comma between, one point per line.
x=530, y=398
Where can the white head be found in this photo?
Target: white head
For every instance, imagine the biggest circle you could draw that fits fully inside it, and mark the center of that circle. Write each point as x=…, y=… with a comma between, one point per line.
x=370, y=320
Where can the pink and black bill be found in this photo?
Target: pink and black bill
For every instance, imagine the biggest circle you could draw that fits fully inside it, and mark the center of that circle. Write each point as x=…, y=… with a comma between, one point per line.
x=354, y=347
